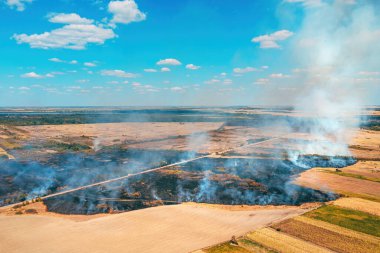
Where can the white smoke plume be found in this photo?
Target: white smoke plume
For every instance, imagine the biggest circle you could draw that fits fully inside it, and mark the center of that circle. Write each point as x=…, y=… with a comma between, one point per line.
x=337, y=40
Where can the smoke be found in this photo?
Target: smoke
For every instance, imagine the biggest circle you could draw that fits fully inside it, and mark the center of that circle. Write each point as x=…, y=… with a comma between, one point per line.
x=206, y=189
x=97, y=144
x=336, y=42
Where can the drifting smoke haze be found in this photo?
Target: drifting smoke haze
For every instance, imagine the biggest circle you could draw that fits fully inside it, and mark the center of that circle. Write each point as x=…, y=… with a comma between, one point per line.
x=336, y=41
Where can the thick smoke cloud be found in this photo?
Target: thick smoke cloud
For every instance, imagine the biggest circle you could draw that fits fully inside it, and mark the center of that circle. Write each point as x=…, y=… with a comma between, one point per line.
x=337, y=42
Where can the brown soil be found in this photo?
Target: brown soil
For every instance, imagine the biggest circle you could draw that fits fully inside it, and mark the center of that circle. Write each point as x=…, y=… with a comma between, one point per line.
x=325, y=238
x=329, y=182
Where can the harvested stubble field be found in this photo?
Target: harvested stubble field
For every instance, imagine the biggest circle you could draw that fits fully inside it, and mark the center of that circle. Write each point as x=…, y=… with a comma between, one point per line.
x=348, y=218
x=283, y=242
x=317, y=179
x=359, y=204
x=202, y=225
x=324, y=237
x=369, y=169
x=175, y=228
x=226, y=247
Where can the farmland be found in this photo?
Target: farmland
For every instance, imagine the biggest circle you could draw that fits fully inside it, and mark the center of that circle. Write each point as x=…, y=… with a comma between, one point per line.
x=239, y=173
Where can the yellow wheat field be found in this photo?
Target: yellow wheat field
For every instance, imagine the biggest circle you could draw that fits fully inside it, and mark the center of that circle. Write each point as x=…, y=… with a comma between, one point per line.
x=326, y=238
x=339, y=230
x=284, y=243
x=360, y=205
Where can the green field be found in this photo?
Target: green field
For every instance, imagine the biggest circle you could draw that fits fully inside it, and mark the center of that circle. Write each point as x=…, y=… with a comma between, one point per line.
x=345, y=174
x=348, y=218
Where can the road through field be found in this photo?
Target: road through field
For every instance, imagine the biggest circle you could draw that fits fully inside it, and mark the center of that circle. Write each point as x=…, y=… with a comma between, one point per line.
x=154, y=169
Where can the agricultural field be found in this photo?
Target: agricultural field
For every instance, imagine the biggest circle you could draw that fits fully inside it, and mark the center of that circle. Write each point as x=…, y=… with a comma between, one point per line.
x=233, y=168
x=329, y=228
x=348, y=224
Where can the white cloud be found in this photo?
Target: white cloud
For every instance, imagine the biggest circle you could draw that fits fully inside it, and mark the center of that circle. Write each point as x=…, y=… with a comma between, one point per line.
x=118, y=73
x=306, y=3
x=71, y=18
x=70, y=36
x=56, y=60
x=369, y=73
x=279, y=76
x=270, y=41
x=35, y=75
x=51, y=90
x=264, y=67
x=165, y=69
x=19, y=5
x=317, y=3
x=24, y=88
x=212, y=81
x=262, y=81
x=142, y=89
x=227, y=81
x=57, y=73
x=62, y=61
x=192, y=67
x=83, y=81
x=150, y=70
x=244, y=70
x=169, y=61
x=75, y=87
x=125, y=12
x=177, y=89
x=89, y=64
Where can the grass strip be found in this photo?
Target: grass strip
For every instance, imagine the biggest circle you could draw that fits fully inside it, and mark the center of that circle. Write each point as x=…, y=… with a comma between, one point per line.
x=326, y=238
x=284, y=243
x=348, y=218
x=346, y=174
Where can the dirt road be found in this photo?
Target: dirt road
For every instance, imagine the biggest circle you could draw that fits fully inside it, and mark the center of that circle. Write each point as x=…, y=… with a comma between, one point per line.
x=145, y=171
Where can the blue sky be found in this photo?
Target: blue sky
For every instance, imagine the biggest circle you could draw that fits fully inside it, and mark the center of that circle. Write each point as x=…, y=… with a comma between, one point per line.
x=145, y=52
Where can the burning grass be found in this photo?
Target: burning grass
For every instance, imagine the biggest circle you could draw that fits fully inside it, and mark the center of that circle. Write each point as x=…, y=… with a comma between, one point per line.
x=27, y=179
x=240, y=182
x=348, y=218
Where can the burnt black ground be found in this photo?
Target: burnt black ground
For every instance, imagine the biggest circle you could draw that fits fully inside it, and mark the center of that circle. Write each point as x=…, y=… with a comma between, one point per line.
x=208, y=180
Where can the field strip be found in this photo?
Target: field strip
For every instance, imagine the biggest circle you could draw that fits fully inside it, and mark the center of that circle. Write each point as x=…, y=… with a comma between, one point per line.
x=284, y=243
x=339, y=230
x=325, y=238
x=147, y=171
x=359, y=204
